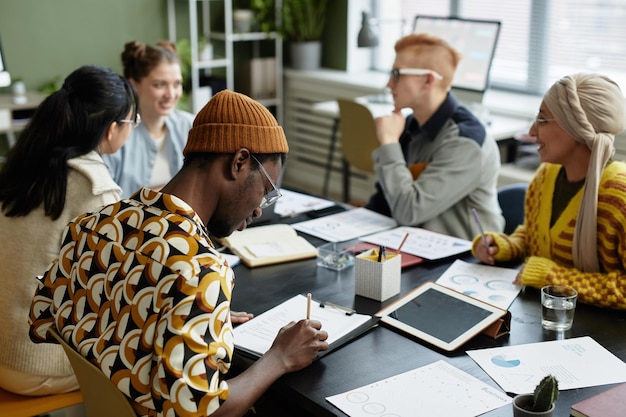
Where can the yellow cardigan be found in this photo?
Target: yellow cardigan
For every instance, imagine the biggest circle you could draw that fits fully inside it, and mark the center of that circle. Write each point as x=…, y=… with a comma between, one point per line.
x=548, y=251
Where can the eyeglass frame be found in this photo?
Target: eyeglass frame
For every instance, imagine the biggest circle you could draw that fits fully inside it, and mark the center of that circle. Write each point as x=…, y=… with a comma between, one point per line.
x=133, y=123
x=395, y=73
x=271, y=196
x=539, y=121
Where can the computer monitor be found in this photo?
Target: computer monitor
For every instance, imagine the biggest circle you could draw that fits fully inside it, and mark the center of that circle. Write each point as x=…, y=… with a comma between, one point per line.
x=5, y=78
x=475, y=40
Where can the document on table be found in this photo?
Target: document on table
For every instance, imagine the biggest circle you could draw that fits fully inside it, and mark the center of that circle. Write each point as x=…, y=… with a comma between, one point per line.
x=491, y=284
x=577, y=363
x=257, y=335
x=346, y=225
x=421, y=242
x=293, y=203
x=428, y=389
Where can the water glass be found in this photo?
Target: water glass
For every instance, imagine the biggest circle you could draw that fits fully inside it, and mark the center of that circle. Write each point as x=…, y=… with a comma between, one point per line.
x=558, y=303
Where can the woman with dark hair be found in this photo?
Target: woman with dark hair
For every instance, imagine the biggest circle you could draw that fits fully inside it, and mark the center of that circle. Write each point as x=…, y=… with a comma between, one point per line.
x=54, y=173
x=154, y=152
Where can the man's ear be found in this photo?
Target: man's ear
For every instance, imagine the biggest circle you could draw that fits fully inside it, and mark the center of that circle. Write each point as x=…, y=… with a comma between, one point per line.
x=240, y=163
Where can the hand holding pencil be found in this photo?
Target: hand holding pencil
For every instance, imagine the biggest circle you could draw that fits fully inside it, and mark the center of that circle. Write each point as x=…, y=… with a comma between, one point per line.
x=485, y=251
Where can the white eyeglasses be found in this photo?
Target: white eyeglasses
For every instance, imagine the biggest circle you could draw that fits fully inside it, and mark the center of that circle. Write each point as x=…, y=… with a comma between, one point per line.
x=397, y=72
x=542, y=120
x=134, y=123
x=271, y=196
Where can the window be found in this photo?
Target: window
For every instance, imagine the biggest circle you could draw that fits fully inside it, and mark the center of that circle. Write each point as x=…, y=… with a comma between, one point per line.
x=540, y=41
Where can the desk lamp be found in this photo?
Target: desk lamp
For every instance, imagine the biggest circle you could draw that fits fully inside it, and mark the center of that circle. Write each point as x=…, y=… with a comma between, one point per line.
x=367, y=36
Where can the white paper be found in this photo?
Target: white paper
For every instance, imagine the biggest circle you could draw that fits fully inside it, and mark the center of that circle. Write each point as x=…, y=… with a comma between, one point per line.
x=576, y=363
x=258, y=334
x=233, y=260
x=346, y=225
x=293, y=203
x=491, y=284
x=421, y=242
x=434, y=390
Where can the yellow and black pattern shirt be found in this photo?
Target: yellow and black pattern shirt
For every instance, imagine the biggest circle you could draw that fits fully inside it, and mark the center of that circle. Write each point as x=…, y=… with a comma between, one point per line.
x=140, y=291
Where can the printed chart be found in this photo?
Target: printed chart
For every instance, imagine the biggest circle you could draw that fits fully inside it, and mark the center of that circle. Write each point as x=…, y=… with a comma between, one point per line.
x=491, y=284
x=427, y=389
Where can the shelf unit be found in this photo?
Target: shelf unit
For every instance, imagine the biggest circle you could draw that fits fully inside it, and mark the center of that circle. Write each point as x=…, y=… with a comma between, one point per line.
x=231, y=44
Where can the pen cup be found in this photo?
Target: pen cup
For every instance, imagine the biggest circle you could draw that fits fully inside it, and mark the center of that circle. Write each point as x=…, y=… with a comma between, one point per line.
x=377, y=280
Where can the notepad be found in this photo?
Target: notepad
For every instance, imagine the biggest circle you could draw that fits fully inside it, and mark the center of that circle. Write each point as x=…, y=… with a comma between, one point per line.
x=256, y=336
x=609, y=403
x=268, y=245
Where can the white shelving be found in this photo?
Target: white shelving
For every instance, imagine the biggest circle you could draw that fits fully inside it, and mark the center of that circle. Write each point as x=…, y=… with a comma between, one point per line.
x=199, y=14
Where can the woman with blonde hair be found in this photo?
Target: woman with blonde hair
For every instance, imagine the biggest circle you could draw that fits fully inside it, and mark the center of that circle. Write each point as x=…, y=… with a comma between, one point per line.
x=574, y=231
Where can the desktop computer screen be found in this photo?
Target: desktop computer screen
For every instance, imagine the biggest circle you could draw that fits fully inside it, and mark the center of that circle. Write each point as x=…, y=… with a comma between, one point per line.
x=474, y=39
x=5, y=78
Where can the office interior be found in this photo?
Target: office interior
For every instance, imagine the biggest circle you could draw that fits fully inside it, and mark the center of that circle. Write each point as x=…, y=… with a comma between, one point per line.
x=45, y=41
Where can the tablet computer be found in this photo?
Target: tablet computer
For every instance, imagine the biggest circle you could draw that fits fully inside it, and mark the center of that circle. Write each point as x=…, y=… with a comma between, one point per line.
x=440, y=316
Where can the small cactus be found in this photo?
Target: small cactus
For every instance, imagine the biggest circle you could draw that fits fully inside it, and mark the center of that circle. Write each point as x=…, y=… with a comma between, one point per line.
x=546, y=393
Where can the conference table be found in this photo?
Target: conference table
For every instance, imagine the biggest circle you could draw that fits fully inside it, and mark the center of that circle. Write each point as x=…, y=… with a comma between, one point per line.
x=383, y=352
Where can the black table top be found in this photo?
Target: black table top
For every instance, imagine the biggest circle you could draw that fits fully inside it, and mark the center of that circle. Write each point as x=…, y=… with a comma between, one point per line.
x=382, y=352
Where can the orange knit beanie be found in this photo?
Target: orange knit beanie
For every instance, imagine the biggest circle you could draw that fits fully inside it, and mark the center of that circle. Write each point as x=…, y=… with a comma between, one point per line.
x=231, y=121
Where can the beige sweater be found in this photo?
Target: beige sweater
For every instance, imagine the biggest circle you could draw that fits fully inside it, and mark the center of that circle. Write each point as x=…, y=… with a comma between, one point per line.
x=29, y=244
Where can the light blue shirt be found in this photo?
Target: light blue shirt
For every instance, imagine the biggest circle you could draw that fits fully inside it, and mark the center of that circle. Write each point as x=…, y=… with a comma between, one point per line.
x=131, y=167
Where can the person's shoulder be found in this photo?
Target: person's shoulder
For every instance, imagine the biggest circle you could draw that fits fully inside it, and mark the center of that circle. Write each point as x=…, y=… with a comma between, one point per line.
x=614, y=176
x=469, y=126
x=181, y=117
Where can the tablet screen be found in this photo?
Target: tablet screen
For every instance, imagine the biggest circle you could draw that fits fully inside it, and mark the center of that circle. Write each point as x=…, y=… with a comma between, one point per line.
x=425, y=312
x=440, y=316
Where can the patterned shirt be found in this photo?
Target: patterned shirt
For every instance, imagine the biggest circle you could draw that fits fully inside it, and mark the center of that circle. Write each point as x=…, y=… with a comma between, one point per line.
x=140, y=291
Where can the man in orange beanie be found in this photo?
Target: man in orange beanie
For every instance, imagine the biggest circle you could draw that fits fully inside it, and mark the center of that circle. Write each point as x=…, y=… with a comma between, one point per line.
x=145, y=294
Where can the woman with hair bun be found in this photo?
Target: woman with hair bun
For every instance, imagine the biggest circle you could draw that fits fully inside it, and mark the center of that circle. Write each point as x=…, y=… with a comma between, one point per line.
x=54, y=173
x=154, y=152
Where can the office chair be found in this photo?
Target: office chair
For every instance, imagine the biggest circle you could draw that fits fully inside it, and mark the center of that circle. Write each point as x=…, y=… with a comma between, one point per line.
x=15, y=405
x=511, y=198
x=358, y=140
x=102, y=398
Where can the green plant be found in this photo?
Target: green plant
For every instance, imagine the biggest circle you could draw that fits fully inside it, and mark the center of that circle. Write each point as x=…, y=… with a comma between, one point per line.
x=546, y=393
x=300, y=20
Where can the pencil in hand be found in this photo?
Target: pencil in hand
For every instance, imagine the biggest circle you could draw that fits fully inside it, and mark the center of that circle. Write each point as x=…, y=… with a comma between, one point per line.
x=308, y=306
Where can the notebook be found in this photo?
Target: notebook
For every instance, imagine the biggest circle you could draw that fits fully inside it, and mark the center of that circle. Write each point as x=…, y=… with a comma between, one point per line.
x=609, y=403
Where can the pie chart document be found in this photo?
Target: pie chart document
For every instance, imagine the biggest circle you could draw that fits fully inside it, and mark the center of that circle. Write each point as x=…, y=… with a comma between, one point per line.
x=518, y=369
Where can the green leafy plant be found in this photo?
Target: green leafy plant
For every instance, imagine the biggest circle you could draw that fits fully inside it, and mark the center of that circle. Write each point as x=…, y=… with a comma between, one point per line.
x=546, y=393
x=300, y=20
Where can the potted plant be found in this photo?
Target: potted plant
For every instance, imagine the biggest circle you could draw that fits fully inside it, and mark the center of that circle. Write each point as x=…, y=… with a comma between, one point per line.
x=539, y=403
x=301, y=23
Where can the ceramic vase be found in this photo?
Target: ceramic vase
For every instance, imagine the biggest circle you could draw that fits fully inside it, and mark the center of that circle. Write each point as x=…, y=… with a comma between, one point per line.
x=306, y=55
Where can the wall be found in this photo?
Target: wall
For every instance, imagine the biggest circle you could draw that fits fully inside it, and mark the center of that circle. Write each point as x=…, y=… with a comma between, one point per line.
x=44, y=39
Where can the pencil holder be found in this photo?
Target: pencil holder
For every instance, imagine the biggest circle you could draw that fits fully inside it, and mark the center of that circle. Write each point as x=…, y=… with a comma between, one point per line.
x=377, y=280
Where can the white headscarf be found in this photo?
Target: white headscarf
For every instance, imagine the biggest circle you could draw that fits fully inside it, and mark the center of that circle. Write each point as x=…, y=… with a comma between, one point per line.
x=591, y=109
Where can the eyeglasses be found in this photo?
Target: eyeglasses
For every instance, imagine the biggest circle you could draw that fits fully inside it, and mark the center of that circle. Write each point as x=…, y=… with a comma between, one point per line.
x=271, y=196
x=134, y=123
x=541, y=120
x=397, y=72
